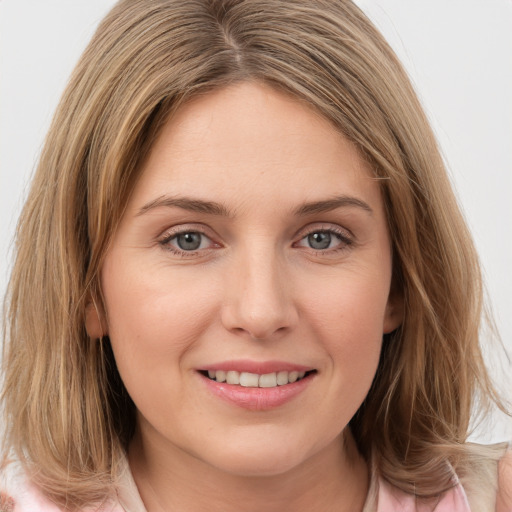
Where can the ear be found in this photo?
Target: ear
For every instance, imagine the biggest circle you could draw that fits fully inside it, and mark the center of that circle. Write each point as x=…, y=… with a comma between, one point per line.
x=95, y=321
x=394, y=314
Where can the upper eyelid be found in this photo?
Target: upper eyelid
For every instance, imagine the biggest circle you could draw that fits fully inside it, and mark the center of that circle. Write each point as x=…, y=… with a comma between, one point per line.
x=186, y=228
x=323, y=226
x=204, y=229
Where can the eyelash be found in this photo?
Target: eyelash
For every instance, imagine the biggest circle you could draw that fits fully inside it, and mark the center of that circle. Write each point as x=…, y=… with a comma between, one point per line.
x=165, y=242
x=344, y=238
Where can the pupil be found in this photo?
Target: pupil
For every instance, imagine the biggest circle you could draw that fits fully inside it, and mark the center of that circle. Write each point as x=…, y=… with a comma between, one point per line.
x=189, y=241
x=320, y=240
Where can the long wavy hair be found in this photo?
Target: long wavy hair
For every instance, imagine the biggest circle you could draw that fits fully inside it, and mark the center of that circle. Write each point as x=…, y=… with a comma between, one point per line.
x=68, y=416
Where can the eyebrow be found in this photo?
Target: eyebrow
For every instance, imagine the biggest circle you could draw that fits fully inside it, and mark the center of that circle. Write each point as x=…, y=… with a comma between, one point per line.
x=218, y=209
x=332, y=204
x=187, y=203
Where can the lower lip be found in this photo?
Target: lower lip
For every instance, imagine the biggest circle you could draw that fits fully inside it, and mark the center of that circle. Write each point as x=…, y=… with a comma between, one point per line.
x=257, y=399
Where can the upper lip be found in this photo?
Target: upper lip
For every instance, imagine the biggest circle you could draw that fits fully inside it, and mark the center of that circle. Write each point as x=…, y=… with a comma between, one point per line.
x=258, y=367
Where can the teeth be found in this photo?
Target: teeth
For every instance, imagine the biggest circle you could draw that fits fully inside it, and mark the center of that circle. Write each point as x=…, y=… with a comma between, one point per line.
x=233, y=377
x=269, y=380
x=249, y=380
x=282, y=378
x=293, y=376
x=254, y=380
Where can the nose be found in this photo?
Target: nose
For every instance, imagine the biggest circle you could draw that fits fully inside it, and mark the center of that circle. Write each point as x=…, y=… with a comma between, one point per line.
x=259, y=296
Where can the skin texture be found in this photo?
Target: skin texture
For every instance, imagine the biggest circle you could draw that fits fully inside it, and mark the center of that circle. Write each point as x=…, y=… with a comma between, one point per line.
x=504, y=495
x=256, y=289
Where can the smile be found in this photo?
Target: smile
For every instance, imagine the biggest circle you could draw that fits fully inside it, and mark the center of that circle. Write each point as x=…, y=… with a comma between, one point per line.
x=255, y=380
x=257, y=386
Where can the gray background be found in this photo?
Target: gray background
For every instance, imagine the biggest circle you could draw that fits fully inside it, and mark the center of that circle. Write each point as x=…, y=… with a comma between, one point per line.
x=458, y=54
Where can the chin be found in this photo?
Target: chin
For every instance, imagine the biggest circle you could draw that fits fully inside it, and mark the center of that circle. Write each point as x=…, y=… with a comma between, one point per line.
x=263, y=459
x=253, y=467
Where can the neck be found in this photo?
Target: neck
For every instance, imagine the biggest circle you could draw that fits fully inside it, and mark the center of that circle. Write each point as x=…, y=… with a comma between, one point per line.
x=334, y=479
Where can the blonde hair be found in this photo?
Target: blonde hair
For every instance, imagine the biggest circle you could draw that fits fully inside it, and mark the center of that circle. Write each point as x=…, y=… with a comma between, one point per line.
x=68, y=415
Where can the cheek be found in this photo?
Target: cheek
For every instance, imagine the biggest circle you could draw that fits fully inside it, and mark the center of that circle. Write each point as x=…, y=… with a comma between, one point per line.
x=348, y=319
x=155, y=306
x=353, y=300
x=154, y=321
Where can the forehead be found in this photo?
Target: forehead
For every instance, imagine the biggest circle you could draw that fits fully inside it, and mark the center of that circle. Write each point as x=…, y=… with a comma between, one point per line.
x=249, y=141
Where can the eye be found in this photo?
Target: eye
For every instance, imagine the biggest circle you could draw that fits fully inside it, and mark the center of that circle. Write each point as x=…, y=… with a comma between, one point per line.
x=325, y=240
x=183, y=242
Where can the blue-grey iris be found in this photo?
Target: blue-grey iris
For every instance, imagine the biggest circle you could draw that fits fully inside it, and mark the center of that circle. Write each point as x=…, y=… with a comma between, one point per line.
x=319, y=240
x=189, y=241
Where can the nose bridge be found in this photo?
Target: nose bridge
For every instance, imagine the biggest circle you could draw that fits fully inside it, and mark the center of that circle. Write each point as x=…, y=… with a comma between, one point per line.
x=259, y=301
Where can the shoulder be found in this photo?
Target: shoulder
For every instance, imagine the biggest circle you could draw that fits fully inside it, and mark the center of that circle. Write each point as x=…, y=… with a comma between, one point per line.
x=504, y=494
x=17, y=494
x=488, y=479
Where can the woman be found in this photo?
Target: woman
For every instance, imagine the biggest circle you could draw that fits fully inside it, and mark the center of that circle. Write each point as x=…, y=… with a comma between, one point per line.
x=242, y=277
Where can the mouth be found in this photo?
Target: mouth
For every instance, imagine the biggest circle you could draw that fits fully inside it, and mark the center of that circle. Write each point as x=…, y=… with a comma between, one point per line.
x=256, y=380
x=257, y=385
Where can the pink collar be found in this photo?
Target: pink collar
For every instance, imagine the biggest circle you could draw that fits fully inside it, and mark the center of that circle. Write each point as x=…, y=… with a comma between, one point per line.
x=382, y=497
x=391, y=499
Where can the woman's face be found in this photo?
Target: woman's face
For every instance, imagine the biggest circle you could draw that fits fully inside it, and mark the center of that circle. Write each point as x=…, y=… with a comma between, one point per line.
x=254, y=248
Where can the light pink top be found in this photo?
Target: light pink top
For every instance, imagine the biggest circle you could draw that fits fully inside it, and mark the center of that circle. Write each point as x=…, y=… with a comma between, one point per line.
x=19, y=496
x=391, y=499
